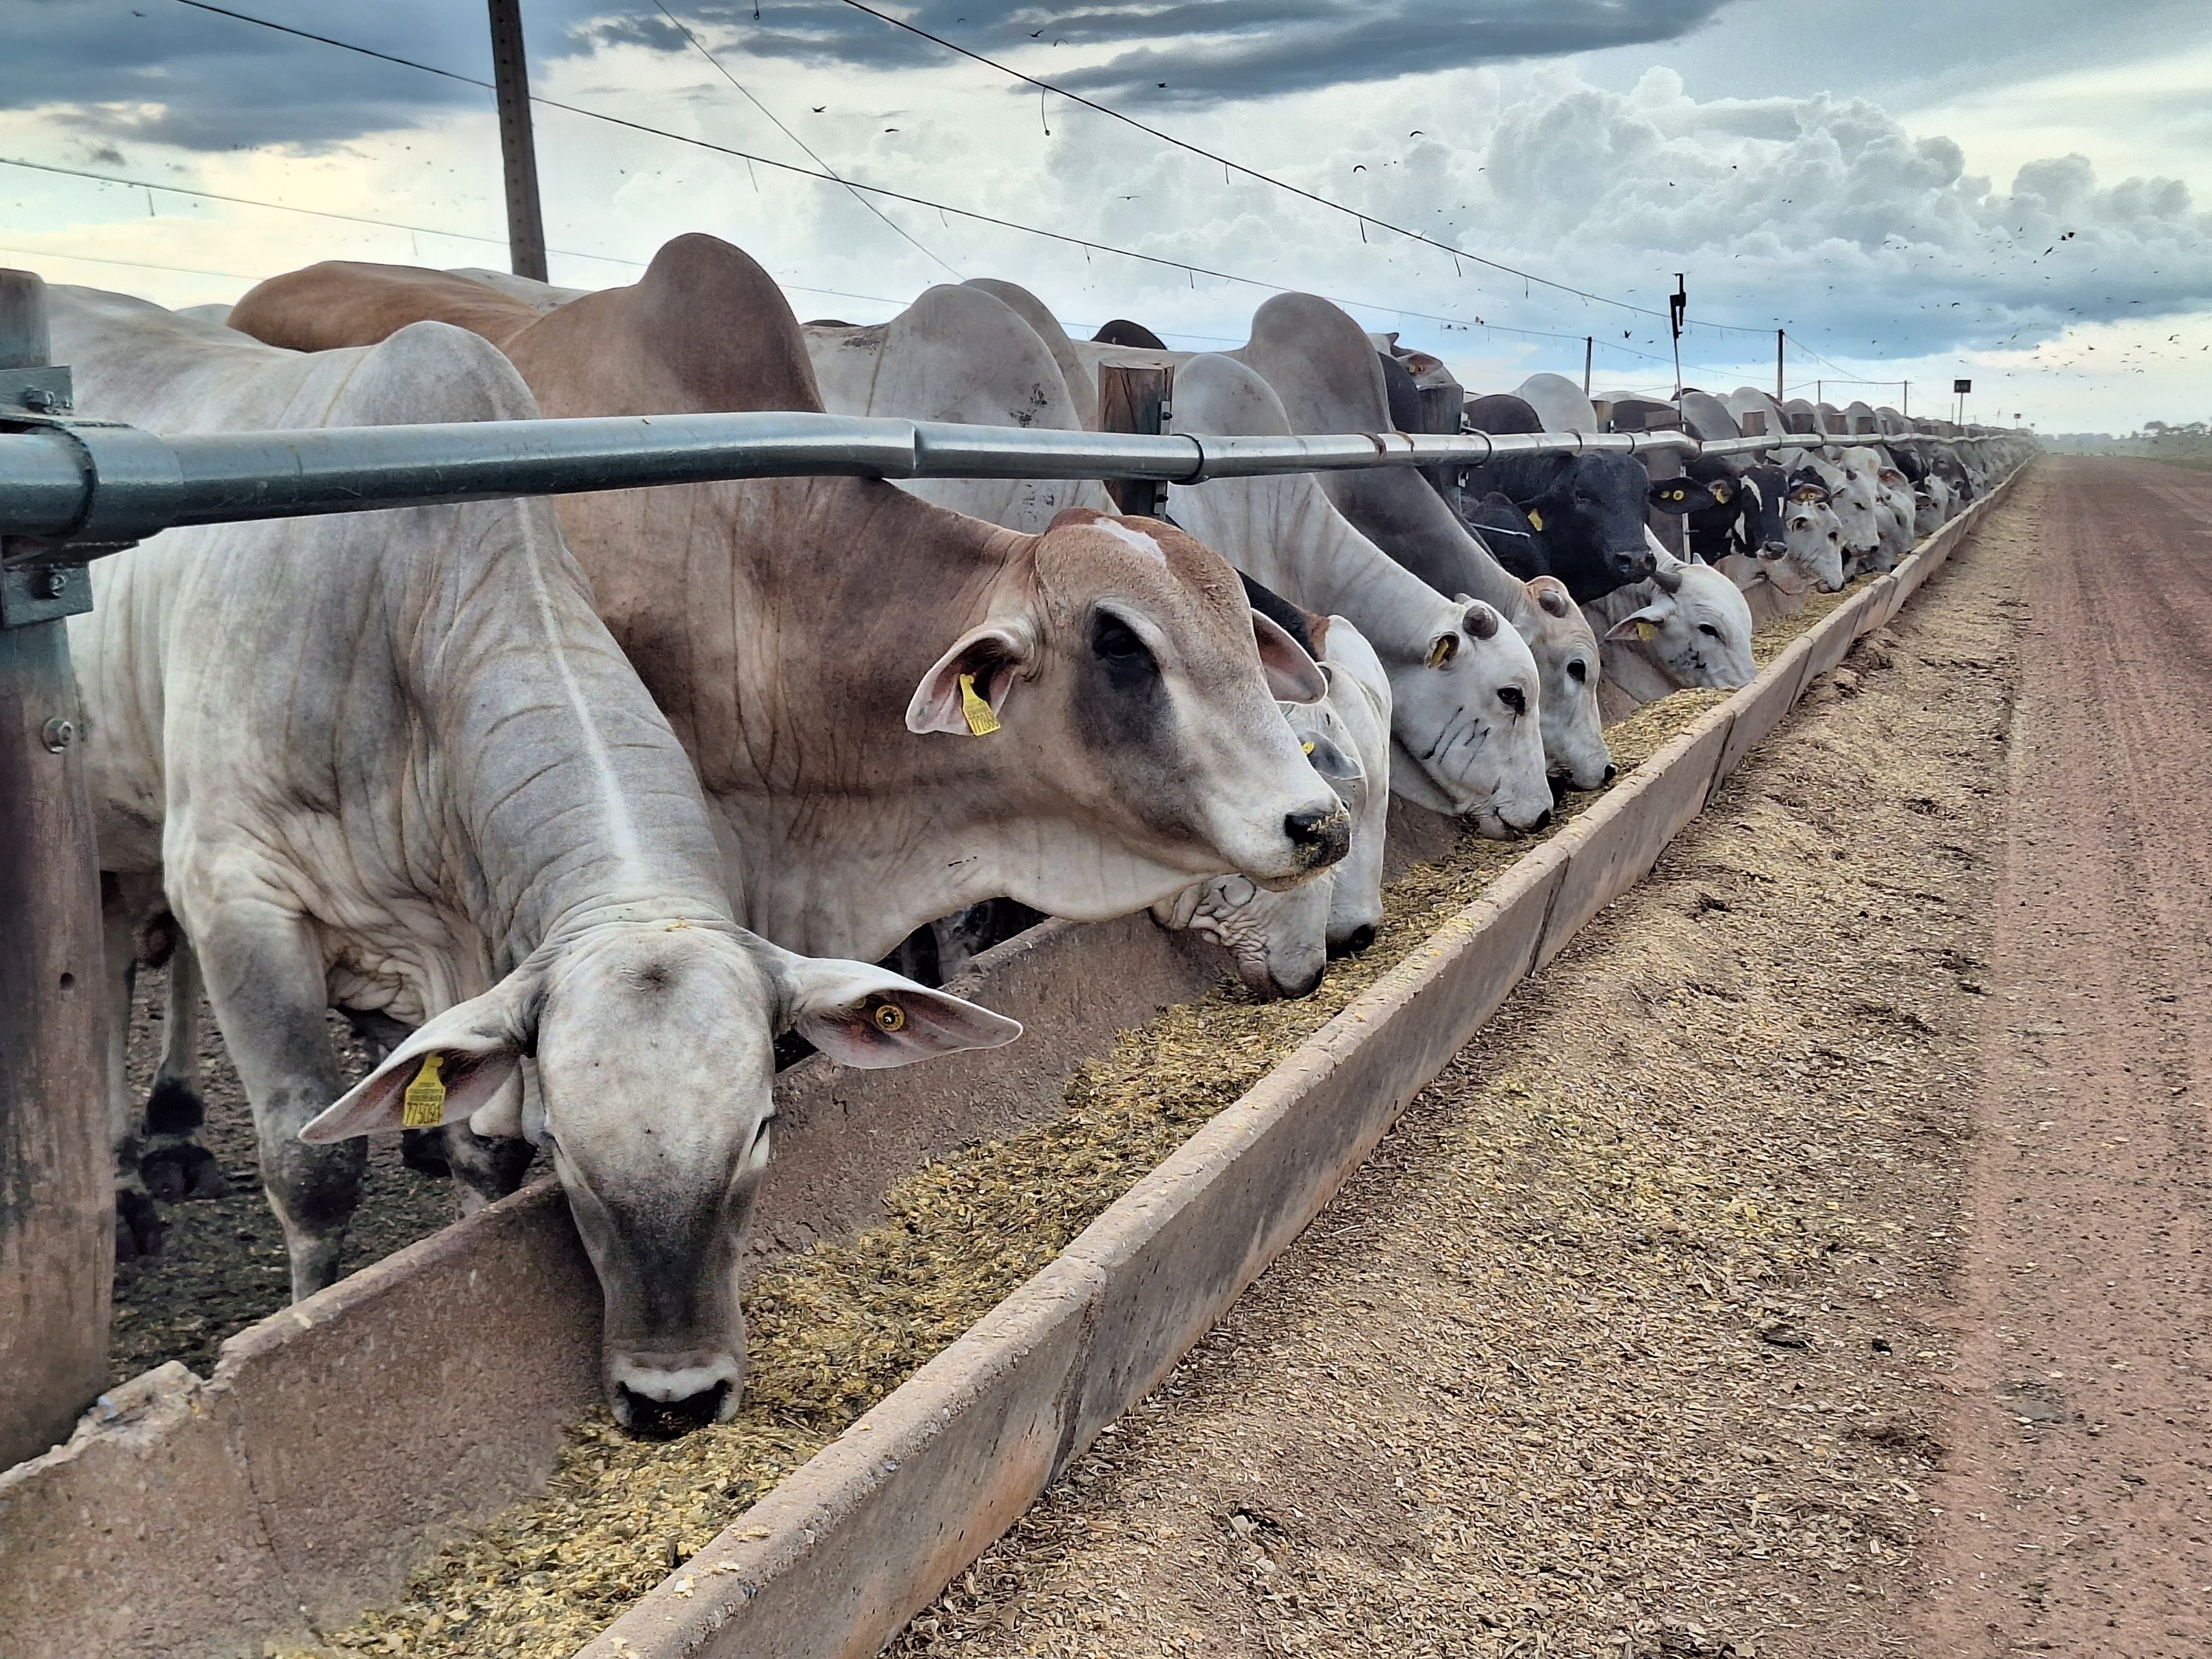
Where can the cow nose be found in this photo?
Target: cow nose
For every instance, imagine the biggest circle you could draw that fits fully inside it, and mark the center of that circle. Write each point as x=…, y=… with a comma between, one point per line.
x=1321, y=837
x=1354, y=942
x=1774, y=550
x=1611, y=771
x=1292, y=990
x=1535, y=826
x=670, y=1420
x=1632, y=567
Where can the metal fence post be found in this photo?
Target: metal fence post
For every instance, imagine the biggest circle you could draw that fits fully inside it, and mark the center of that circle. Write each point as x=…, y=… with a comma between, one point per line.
x=57, y=1172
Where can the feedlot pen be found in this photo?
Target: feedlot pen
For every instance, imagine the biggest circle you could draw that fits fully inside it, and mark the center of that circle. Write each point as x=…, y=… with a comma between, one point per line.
x=1802, y=1265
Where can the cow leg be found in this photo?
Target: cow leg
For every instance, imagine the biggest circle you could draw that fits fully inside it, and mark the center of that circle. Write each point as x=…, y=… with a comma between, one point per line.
x=484, y=1167
x=265, y=977
x=175, y=1165
x=138, y=1224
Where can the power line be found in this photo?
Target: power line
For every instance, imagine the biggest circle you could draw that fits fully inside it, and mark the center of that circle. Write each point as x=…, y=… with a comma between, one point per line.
x=1279, y=184
x=136, y=264
x=896, y=228
x=825, y=177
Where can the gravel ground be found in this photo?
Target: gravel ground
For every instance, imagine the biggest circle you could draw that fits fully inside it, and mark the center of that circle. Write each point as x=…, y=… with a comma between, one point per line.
x=1627, y=1342
x=223, y=1266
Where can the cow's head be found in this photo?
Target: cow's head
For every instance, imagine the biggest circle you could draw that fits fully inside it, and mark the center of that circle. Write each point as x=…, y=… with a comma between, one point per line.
x=1765, y=497
x=1468, y=727
x=1591, y=516
x=653, y=1044
x=1695, y=629
x=1279, y=941
x=1811, y=539
x=1123, y=663
x=1574, y=731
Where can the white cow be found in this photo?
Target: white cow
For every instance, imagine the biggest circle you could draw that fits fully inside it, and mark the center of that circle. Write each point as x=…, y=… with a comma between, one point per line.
x=1812, y=558
x=394, y=763
x=1465, y=710
x=1281, y=941
x=1849, y=476
x=1688, y=627
x=1328, y=378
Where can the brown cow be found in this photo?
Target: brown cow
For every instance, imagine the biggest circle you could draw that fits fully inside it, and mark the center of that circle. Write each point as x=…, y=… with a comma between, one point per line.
x=812, y=641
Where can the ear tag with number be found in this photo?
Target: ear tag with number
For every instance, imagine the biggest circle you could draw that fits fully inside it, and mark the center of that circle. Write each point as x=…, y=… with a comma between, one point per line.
x=1536, y=519
x=981, y=722
x=423, y=1106
x=1645, y=630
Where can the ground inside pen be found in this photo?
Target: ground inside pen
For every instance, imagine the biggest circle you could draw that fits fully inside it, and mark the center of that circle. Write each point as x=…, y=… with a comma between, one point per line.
x=1614, y=1349
x=838, y=1328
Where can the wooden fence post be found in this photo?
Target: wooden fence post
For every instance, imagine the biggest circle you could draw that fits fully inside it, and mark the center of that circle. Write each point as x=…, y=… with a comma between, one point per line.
x=1134, y=398
x=56, y=1171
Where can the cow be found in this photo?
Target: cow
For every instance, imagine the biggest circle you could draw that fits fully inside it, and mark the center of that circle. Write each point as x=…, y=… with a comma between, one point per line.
x=1465, y=691
x=1318, y=362
x=1851, y=498
x=1688, y=627
x=394, y=762
x=961, y=354
x=1336, y=385
x=897, y=711
x=1280, y=942
x=1777, y=579
x=1734, y=516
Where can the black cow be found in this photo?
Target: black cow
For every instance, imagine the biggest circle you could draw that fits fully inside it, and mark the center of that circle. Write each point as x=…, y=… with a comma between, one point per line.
x=1123, y=333
x=1745, y=515
x=1589, y=510
x=1505, y=529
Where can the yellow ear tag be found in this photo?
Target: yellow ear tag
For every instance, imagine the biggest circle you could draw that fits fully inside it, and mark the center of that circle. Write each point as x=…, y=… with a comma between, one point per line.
x=1645, y=630
x=1308, y=747
x=889, y=1017
x=1536, y=519
x=424, y=1104
x=981, y=722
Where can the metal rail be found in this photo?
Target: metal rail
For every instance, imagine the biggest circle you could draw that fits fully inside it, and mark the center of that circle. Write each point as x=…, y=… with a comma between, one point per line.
x=79, y=488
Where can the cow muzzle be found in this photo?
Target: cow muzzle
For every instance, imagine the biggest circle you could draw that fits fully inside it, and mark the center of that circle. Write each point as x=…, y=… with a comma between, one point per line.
x=1631, y=565
x=1320, y=838
x=664, y=1396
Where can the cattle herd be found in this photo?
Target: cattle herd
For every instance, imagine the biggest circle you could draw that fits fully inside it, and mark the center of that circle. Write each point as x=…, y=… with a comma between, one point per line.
x=575, y=810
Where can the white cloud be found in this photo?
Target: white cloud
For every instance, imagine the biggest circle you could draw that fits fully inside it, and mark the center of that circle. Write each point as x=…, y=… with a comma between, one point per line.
x=1877, y=245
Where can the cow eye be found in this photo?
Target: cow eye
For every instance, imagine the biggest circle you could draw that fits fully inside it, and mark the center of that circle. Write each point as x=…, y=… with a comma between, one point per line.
x=1709, y=629
x=1512, y=697
x=1116, y=643
x=1578, y=670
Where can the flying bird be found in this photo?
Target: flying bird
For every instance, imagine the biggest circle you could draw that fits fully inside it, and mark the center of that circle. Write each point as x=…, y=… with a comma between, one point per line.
x=818, y=108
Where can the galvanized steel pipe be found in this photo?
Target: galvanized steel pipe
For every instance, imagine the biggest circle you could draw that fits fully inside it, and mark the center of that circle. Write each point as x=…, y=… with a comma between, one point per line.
x=98, y=485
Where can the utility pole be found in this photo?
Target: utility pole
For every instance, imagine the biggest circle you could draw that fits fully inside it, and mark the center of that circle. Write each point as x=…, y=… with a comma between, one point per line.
x=1907, y=386
x=1590, y=346
x=1780, y=393
x=510, y=74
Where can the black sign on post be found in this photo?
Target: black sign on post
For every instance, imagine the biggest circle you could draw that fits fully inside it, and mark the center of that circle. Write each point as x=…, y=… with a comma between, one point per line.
x=1962, y=386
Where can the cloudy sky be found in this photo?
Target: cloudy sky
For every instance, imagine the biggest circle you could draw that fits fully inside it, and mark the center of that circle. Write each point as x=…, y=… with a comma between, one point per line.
x=2011, y=190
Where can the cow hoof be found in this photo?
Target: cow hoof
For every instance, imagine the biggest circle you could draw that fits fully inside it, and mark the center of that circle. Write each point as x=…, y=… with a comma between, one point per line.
x=178, y=1173
x=174, y=1108
x=139, y=1228
x=423, y=1150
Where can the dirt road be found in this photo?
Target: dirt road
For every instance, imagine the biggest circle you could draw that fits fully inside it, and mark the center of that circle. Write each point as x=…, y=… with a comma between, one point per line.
x=1813, y=1263
x=2079, y=1483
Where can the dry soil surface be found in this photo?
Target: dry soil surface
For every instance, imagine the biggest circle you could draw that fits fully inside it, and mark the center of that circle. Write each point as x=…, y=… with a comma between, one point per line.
x=2078, y=1489
x=1692, y=1311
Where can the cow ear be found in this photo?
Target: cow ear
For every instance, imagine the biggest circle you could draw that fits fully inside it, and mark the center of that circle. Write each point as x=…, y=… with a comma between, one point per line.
x=862, y=1015
x=966, y=689
x=1292, y=676
x=461, y=1062
x=1638, y=625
